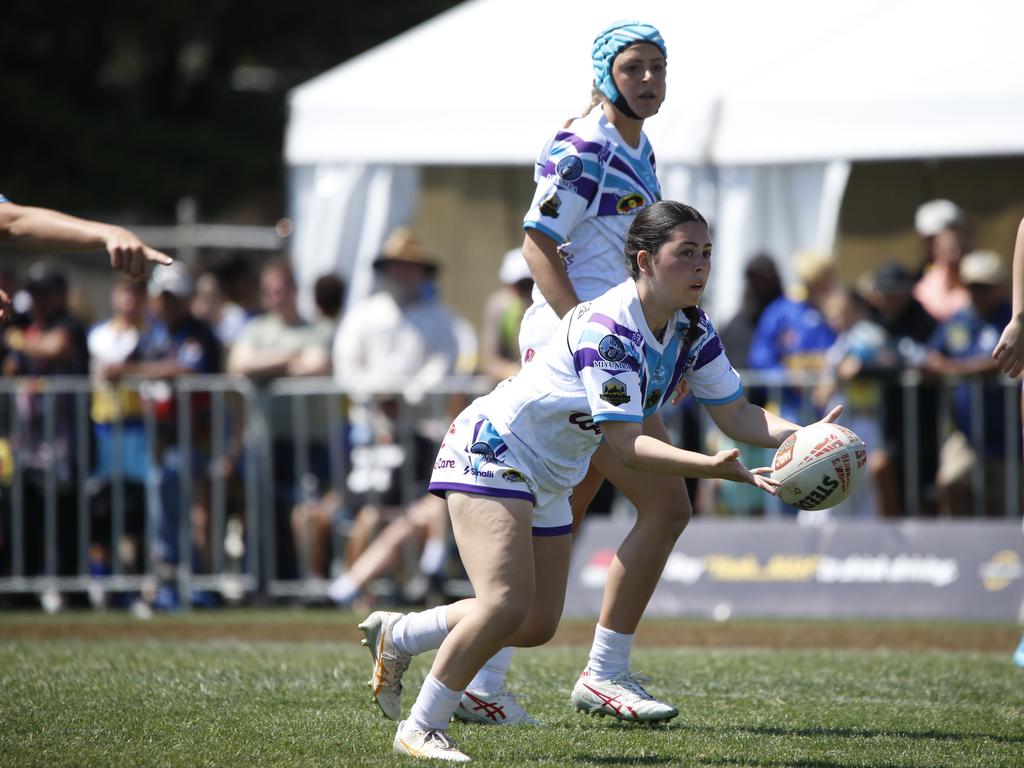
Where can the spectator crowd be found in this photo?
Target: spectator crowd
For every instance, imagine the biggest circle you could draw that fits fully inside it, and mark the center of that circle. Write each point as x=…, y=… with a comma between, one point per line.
x=347, y=496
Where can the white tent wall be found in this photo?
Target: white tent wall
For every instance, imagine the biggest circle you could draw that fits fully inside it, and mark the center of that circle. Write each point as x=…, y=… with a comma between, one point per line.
x=767, y=105
x=343, y=213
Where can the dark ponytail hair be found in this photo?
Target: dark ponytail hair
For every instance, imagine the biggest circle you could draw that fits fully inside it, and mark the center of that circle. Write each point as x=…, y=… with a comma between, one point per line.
x=649, y=231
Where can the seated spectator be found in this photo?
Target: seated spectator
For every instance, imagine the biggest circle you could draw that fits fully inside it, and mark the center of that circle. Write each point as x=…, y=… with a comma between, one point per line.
x=400, y=339
x=52, y=344
x=963, y=346
x=503, y=314
x=944, y=229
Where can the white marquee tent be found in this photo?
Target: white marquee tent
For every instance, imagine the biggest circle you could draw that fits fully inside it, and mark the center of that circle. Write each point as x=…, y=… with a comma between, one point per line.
x=768, y=103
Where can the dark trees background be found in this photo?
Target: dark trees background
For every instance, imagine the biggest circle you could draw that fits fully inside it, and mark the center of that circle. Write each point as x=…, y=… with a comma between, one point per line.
x=124, y=107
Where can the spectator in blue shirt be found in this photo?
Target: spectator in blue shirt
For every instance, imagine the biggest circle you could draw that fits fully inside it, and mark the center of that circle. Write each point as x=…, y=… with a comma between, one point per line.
x=792, y=334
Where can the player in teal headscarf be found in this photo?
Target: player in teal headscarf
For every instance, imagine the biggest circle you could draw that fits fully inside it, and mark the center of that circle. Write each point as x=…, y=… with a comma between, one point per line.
x=609, y=43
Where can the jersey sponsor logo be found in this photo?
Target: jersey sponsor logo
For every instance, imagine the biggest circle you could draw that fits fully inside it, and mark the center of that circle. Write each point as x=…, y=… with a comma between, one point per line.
x=550, y=205
x=569, y=168
x=629, y=203
x=611, y=348
x=513, y=476
x=605, y=365
x=784, y=454
x=444, y=464
x=614, y=392
x=477, y=472
x=584, y=421
x=652, y=399
x=481, y=448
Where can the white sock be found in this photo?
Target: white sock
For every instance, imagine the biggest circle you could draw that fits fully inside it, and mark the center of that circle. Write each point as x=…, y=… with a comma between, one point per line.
x=491, y=676
x=423, y=631
x=342, y=590
x=432, y=559
x=609, y=655
x=433, y=707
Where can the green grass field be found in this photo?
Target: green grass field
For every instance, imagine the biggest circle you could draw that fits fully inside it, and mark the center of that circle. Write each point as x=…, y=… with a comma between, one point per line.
x=92, y=690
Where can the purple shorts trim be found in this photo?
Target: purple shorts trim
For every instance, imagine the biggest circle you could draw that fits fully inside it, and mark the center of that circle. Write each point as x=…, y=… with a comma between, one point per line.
x=439, y=489
x=559, y=530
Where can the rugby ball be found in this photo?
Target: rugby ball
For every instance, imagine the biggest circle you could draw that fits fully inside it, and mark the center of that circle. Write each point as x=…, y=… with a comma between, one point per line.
x=818, y=466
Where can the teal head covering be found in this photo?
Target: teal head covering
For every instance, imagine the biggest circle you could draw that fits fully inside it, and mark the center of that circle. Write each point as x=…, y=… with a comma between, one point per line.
x=612, y=41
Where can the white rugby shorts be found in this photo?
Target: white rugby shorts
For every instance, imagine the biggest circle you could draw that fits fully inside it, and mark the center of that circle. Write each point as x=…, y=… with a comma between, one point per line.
x=474, y=459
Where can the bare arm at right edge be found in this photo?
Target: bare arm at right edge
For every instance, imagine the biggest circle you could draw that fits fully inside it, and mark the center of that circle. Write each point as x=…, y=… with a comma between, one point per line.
x=549, y=273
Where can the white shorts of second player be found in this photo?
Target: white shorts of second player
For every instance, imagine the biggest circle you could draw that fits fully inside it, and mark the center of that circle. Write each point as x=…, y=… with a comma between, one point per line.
x=474, y=459
x=537, y=328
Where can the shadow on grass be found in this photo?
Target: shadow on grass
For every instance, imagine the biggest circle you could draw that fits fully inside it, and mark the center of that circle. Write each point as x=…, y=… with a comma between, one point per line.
x=606, y=760
x=762, y=763
x=862, y=733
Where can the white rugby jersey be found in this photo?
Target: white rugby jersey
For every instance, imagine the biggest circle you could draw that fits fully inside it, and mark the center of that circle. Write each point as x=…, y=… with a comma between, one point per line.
x=590, y=184
x=602, y=364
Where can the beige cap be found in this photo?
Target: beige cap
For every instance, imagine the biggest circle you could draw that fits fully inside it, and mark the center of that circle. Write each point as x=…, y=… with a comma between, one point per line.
x=983, y=268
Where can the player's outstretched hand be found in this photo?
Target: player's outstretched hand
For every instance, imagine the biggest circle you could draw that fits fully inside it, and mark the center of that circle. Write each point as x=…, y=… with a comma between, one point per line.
x=1009, y=352
x=832, y=415
x=6, y=310
x=727, y=466
x=129, y=255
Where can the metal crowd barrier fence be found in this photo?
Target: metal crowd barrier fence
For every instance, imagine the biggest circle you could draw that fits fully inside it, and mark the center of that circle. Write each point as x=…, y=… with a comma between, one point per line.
x=244, y=455
x=149, y=444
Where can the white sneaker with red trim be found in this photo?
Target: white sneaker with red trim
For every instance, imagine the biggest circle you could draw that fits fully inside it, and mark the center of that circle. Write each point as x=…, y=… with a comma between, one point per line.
x=389, y=664
x=623, y=698
x=427, y=745
x=500, y=708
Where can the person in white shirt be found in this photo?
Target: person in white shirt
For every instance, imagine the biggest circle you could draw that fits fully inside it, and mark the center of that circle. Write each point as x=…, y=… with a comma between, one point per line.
x=510, y=461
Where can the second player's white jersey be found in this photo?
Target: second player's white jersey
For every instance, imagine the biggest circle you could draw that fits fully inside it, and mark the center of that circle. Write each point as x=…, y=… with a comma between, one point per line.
x=602, y=364
x=590, y=185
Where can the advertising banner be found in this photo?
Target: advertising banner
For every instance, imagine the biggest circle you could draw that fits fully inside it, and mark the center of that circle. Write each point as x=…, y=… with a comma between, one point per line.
x=856, y=569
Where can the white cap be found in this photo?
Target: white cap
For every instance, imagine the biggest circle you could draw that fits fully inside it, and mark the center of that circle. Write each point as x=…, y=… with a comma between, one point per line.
x=982, y=268
x=936, y=215
x=172, y=278
x=514, y=267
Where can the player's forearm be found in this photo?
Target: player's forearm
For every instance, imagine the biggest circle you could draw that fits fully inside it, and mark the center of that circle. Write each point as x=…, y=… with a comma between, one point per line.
x=751, y=424
x=549, y=273
x=40, y=229
x=1018, y=274
x=649, y=454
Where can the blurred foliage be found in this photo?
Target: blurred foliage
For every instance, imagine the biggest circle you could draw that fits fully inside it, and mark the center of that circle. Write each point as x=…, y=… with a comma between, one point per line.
x=126, y=106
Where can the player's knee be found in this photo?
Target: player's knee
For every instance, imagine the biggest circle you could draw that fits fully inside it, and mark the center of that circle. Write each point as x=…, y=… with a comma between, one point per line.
x=671, y=516
x=507, y=614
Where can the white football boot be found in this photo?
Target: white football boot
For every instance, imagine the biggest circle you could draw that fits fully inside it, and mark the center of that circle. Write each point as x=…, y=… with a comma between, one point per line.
x=500, y=708
x=427, y=745
x=623, y=698
x=389, y=664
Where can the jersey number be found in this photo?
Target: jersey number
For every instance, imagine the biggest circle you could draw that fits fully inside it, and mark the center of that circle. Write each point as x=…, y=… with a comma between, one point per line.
x=585, y=422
